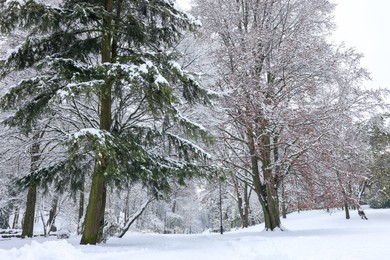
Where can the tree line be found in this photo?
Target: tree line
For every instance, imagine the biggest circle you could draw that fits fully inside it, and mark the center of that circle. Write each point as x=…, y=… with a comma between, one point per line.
x=102, y=98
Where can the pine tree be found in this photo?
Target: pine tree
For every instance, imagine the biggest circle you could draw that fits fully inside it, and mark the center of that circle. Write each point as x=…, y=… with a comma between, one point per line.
x=116, y=57
x=379, y=182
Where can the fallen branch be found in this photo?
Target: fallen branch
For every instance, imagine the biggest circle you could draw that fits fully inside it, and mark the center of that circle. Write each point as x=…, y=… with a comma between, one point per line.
x=131, y=220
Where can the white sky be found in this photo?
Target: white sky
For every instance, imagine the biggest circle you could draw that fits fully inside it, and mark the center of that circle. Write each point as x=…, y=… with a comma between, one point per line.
x=363, y=24
x=185, y=4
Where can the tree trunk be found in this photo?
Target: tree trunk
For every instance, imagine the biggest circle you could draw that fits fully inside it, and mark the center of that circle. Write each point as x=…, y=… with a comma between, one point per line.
x=28, y=221
x=346, y=207
x=284, y=205
x=246, y=206
x=135, y=216
x=16, y=218
x=345, y=196
x=240, y=203
x=126, y=209
x=94, y=217
x=271, y=211
x=52, y=215
x=241, y=211
x=81, y=211
x=267, y=190
x=4, y=218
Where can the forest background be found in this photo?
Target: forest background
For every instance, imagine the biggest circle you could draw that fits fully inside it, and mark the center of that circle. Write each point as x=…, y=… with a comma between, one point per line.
x=115, y=117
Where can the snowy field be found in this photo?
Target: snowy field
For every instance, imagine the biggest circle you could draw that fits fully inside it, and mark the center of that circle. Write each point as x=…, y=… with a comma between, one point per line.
x=309, y=235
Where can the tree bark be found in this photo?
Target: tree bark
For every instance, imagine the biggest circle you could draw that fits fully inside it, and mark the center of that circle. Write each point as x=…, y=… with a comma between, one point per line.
x=52, y=215
x=346, y=207
x=266, y=190
x=284, y=204
x=246, y=205
x=239, y=201
x=16, y=218
x=81, y=211
x=28, y=221
x=126, y=209
x=94, y=217
x=345, y=196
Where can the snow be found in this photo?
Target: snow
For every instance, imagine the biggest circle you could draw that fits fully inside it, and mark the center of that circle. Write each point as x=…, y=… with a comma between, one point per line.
x=309, y=235
x=98, y=133
x=197, y=148
x=21, y=2
x=160, y=80
x=92, y=131
x=177, y=67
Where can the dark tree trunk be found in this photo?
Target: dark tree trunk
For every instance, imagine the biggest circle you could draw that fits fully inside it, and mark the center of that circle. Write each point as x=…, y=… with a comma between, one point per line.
x=241, y=211
x=346, y=208
x=94, y=217
x=266, y=191
x=271, y=210
x=345, y=196
x=28, y=221
x=4, y=218
x=81, y=211
x=270, y=194
x=245, y=222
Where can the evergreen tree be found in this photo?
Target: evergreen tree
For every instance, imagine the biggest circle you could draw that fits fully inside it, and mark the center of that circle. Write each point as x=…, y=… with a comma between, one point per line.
x=116, y=56
x=379, y=184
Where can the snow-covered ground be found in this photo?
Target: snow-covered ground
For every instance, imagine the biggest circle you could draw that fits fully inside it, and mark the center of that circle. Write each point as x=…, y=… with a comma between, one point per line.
x=308, y=235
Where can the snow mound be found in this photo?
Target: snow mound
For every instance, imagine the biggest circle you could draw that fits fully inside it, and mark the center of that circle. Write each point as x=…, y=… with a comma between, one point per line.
x=43, y=251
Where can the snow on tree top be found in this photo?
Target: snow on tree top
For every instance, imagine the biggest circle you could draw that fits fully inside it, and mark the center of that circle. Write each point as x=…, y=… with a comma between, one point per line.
x=160, y=80
x=98, y=133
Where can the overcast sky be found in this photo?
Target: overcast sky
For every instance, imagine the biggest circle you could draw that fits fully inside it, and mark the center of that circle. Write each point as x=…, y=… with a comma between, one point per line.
x=363, y=24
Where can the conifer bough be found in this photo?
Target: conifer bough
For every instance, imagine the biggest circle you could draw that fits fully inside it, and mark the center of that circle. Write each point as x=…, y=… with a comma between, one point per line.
x=118, y=58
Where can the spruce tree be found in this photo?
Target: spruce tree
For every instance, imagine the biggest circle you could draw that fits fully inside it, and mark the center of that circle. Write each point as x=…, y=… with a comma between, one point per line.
x=112, y=64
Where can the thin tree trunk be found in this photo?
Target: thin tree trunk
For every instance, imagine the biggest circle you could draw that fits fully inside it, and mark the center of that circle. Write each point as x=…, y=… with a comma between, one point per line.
x=246, y=205
x=126, y=209
x=284, y=205
x=135, y=216
x=4, y=218
x=16, y=218
x=345, y=196
x=52, y=215
x=81, y=211
x=240, y=203
x=45, y=227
